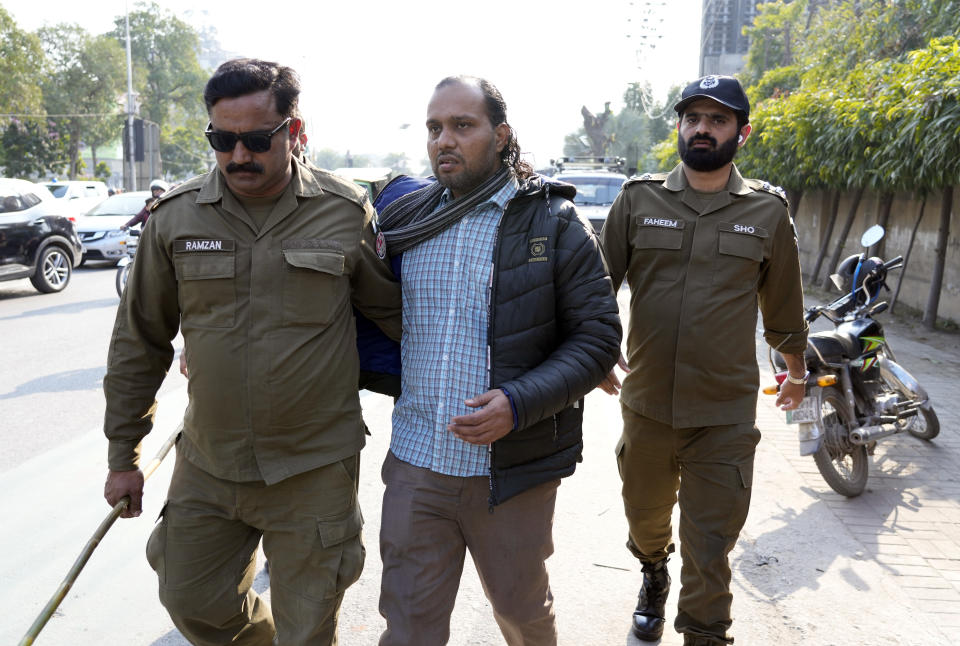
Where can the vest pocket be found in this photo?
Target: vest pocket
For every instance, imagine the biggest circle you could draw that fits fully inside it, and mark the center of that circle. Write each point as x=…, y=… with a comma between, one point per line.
x=313, y=285
x=208, y=290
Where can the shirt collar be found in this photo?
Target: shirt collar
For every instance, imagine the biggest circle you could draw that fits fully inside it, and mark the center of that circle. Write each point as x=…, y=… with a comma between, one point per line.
x=677, y=181
x=303, y=184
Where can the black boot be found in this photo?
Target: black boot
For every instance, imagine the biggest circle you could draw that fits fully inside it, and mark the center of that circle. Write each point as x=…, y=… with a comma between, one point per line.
x=649, y=615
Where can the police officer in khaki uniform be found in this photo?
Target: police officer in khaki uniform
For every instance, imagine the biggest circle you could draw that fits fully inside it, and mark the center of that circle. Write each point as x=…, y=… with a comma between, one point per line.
x=700, y=247
x=258, y=263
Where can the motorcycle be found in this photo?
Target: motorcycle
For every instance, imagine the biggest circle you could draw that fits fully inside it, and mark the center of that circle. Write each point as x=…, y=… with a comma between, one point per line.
x=856, y=392
x=126, y=263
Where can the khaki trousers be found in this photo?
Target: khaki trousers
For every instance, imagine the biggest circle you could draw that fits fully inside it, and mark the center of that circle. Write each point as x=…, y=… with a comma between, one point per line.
x=204, y=552
x=429, y=521
x=712, y=470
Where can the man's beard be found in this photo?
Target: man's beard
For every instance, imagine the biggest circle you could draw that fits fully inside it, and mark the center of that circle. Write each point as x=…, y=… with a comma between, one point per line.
x=471, y=177
x=706, y=160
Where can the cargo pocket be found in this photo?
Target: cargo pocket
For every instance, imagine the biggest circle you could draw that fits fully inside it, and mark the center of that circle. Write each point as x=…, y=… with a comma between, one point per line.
x=314, y=286
x=341, y=539
x=739, y=254
x=659, y=243
x=208, y=290
x=157, y=546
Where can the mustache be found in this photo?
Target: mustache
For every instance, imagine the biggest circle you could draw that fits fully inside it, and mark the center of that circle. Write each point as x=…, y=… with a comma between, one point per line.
x=443, y=156
x=695, y=138
x=248, y=167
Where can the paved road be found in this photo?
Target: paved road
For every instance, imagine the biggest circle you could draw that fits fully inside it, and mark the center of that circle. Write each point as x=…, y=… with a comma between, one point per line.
x=810, y=567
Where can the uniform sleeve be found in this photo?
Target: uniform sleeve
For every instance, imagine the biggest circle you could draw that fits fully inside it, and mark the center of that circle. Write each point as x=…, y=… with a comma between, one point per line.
x=615, y=239
x=589, y=323
x=141, y=349
x=374, y=289
x=781, y=292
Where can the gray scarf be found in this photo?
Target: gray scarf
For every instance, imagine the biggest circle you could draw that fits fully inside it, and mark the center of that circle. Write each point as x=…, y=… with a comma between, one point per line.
x=411, y=219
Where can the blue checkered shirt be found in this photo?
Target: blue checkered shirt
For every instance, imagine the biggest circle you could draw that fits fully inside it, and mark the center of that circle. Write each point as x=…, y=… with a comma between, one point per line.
x=444, y=351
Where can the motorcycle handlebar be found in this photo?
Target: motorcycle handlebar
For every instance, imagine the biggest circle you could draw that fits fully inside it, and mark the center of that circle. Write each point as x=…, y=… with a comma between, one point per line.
x=893, y=263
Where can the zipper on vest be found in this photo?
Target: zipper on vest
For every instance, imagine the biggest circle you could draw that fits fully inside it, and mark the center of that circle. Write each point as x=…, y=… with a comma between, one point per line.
x=491, y=314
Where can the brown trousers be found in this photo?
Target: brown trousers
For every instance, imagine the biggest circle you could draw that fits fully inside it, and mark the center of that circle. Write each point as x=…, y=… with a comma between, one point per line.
x=712, y=469
x=429, y=521
x=204, y=553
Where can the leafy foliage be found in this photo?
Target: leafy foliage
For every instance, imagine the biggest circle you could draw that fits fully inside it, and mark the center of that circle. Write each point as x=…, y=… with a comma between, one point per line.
x=166, y=69
x=84, y=77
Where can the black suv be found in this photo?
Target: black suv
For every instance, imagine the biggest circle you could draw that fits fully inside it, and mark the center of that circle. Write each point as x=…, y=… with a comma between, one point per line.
x=36, y=242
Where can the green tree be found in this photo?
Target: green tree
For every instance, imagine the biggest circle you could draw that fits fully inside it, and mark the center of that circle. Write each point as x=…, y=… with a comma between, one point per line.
x=84, y=79
x=21, y=59
x=166, y=69
x=32, y=147
x=185, y=150
x=632, y=132
x=773, y=37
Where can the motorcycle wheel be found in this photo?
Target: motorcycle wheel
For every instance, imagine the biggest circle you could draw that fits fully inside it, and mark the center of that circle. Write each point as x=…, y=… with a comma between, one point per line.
x=843, y=464
x=122, y=278
x=926, y=426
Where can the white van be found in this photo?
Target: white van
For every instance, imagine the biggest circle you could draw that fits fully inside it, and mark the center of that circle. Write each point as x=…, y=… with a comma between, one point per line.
x=79, y=196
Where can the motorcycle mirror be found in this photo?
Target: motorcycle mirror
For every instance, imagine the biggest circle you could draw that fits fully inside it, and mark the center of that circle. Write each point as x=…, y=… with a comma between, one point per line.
x=872, y=236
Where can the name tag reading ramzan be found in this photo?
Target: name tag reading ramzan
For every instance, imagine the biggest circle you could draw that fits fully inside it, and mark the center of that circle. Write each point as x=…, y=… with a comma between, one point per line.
x=187, y=246
x=660, y=222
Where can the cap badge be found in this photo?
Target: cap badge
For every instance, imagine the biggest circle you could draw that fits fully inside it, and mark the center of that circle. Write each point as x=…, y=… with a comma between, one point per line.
x=709, y=82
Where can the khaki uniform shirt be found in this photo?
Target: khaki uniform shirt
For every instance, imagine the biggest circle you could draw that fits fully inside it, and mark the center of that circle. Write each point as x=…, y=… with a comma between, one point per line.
x=266, y=315
x=697, y=266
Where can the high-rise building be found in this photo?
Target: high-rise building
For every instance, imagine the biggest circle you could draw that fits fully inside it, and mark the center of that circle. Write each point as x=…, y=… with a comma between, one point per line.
x=722, y=43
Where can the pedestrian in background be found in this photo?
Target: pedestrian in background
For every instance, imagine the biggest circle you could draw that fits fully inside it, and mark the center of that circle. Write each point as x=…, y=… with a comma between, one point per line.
x=508, y=321
x=259, y=262
x=157, y=188
x=700, y=247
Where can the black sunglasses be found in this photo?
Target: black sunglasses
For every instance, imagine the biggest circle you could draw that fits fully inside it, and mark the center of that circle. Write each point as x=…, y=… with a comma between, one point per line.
x=256, y=141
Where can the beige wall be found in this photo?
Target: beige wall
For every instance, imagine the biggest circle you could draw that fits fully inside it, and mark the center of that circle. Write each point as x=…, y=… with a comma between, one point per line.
x=813, y=215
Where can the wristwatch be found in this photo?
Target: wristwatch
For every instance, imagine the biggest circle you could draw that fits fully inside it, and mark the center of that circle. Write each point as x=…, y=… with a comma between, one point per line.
x=799, y=381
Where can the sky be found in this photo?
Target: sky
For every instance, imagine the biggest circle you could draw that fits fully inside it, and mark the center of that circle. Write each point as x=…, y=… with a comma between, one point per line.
x=368, y=68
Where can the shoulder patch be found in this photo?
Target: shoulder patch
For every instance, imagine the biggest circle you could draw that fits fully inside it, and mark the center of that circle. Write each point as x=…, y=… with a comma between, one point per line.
x=339, y=186
x=767, y=187
x=647, y=177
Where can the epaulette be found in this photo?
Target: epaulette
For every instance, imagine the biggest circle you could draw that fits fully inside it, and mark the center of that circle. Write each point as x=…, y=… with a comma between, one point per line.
x=339, y=185
x=767, y=187
x=192, y=184
x=647, y=177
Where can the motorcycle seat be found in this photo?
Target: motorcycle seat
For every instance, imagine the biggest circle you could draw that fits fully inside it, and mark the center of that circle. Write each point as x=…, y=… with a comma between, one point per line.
x=832, y=347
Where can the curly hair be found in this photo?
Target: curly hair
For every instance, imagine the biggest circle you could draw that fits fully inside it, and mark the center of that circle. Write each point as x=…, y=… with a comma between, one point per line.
x=243, y=76
x=497, y=113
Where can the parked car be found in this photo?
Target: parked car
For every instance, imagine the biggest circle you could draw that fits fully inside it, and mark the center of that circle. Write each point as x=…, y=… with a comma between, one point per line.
x=36, y=240
x=598, y=181
x=100, y=230
x=78, y=196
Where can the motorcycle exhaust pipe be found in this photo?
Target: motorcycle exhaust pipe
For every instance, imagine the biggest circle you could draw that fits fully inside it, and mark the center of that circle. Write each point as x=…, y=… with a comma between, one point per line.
x=867, y=434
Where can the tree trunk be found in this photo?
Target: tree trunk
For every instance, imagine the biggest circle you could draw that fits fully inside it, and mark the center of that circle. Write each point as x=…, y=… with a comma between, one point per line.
x=884, y=205
x=936, y=280
x=827, y=235
x=842, y=238
x=906, y=258
x=93, y=160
